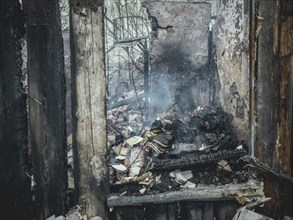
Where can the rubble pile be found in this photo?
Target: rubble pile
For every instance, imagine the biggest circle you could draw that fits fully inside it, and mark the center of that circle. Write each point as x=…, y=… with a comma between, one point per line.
x=175, y=152
x=125, y=113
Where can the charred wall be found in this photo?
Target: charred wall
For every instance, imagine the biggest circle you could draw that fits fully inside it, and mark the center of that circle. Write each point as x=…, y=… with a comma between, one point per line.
x=237, y=54
x=199, y=57
x=181, y=73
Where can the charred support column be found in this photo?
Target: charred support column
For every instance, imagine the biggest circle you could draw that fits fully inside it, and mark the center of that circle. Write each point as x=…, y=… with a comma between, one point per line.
x=46, y=105
x=89, y=106
x=274, y=100
x=14, y=183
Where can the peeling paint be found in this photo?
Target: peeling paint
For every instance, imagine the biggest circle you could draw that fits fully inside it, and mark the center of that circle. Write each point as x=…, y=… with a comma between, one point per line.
x=238, y=102
x=230, y=37
x=231, y=28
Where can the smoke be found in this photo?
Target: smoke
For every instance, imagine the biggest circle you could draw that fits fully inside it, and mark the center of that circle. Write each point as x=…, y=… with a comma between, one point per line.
x=176, y=81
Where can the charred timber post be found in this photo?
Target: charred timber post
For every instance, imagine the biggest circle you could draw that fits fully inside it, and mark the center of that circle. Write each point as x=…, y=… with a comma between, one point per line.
x=46, y=120
x=89, y=106
x=273, y=145
x=14, y=183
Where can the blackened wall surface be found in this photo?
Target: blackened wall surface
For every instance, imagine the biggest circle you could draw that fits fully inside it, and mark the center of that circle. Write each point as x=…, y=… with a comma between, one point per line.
x=179, y=55
x=199, y=57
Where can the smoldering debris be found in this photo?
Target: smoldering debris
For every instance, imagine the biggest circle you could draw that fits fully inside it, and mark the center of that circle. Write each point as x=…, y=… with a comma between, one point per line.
x=174, y=152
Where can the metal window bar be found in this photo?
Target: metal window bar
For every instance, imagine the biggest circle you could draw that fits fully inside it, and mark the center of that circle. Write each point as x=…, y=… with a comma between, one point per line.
x=124, y=31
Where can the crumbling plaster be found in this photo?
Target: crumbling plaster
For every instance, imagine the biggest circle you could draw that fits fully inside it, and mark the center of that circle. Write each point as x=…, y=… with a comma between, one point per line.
x=231, y=41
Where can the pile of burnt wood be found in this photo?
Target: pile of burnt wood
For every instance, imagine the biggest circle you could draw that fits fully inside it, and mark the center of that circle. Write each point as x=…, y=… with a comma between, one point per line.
x=196, y=149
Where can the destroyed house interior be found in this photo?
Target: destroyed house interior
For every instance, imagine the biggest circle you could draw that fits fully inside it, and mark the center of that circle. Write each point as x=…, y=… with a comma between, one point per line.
x=146, y=109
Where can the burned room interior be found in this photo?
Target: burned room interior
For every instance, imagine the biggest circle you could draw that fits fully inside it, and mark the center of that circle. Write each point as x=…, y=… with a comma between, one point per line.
x=146, y=109
x=196, y=127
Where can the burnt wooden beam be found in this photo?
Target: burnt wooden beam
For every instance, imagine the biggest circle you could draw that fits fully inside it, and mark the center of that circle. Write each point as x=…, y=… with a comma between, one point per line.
x=207, y=193
x=192, y=210
x=193, y=159
x=129, y=213
x=225, y=210
x=47, y=107
x=15, y=199
x=112, y=125
x=129, y=101
x=161, y=211
x=255, y=204
x=264, y=169
x=208, y=210
x=273, y=107
x=89, y=106
x=114, y=97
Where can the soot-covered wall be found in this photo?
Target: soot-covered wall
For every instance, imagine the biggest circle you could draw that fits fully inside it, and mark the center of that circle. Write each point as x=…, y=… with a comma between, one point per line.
x=199, y=57
x=179, y=55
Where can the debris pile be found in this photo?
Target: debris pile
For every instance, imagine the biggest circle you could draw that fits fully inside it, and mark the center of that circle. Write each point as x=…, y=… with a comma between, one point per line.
x=186, y=151
x=125, y=113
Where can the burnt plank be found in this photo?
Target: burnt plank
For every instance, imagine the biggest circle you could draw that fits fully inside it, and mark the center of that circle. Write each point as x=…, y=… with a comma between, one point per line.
x=46, y=84
x=129, y=101
x=225, y=210
x=264, y=169
x=123, y=213
x=157, y=212
x=172, y=211
x=137, y=212
x=207, y=193
x=197, y=159
x=208, y=210
x=128, y=213
x=191, y=210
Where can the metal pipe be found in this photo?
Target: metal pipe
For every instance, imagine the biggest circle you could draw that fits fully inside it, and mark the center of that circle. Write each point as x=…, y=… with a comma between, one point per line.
x=252, y=77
